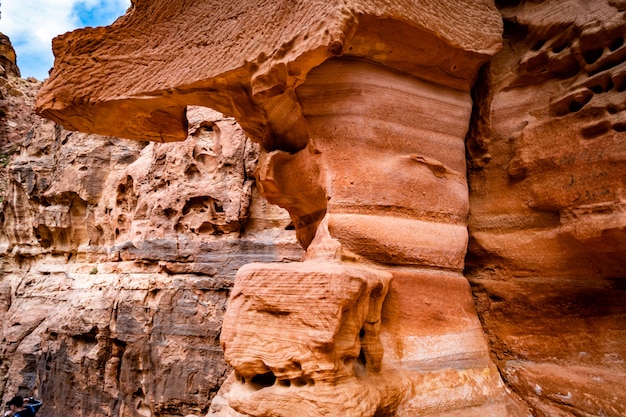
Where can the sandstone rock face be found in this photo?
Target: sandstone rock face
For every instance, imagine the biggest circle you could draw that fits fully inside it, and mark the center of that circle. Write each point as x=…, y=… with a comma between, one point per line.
x=547, y=252
x=343, y=111
x=118, y=258
x=8, y=59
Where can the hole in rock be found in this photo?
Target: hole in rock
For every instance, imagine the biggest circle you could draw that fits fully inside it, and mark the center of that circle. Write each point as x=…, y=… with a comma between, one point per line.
x=169, y=212
x=616, y=44
x=192, y=171
x=596, y=130
x=500, y=4
x=284, y=383
x=559, y=47
x=139, y=393
x=88, y=337
x=362, y=334
x=263, y=380
x=208, y=229
x=592, y=55
x=496, y=298
x=575, y=106
x=612, y=109
x=361, y=358
x=299, y=382
x=620, y=127
x=538, y=45
x=597, y=89
x=199, y=204
x=514, y=30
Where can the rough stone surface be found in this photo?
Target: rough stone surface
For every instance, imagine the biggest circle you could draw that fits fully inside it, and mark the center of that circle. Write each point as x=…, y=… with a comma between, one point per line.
x=118, y=258
x=8, y=59
x=155, y=51
x=397, y=199
x=389, y=148
x=547, y=253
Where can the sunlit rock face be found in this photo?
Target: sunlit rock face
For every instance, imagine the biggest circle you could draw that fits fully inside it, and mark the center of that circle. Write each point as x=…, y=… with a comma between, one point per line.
x=113, y=284
x=547, y=255
x=8, y=65
x=364, y=112
x=361, y=110
x=412, y=138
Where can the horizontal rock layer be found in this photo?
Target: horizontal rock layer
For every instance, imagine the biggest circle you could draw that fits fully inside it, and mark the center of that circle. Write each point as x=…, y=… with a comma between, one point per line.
x=547, y=250
x=118, y=258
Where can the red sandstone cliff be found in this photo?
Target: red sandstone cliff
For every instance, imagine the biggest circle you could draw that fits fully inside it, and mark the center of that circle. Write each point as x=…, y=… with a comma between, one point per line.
x=117, y=260
x=114, y=285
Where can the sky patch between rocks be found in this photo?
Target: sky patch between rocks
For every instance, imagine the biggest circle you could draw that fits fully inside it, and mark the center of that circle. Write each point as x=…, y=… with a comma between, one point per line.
x=31, y=25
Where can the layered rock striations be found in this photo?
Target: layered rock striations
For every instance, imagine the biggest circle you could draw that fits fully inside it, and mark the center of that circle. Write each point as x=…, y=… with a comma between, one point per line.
x=396, y=135
x=361, y=110
x=118, y=258
x=547, y=251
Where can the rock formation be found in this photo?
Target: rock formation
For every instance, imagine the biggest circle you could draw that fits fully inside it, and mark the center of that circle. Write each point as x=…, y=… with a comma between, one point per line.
x=394, y=134
x=118, y=258
x=303, y=92
x=8, y=59
x=547, y=253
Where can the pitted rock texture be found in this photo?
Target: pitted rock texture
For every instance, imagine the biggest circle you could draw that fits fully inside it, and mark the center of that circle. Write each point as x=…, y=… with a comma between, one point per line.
x=545, y=172
x=547, y=253
x=329, y=314
x=118, y=258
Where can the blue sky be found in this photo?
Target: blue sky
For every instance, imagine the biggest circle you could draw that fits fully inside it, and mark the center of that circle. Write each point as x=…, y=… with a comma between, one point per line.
x=31, y=25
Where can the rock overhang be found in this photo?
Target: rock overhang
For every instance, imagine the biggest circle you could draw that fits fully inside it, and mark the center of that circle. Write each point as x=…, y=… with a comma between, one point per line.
x=135, y=78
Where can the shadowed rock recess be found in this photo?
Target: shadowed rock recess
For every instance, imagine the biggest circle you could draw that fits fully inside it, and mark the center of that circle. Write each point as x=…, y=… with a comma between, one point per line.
x=453, y=239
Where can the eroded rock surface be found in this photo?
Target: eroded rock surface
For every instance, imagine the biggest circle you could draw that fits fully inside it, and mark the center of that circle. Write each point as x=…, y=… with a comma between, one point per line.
x=361, y=110
x=547, y=254
x=118, y=258
x=361, y=120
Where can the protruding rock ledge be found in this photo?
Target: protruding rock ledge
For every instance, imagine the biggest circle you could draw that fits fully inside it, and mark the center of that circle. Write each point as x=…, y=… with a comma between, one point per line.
x=135, y=78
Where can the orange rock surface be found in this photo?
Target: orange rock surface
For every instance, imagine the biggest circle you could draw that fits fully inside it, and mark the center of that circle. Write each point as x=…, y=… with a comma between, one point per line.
x=547, y=253
x=361, y=109
x=454, y=170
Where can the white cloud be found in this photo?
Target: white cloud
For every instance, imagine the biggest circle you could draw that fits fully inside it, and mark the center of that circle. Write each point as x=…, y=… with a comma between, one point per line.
x=31, y=25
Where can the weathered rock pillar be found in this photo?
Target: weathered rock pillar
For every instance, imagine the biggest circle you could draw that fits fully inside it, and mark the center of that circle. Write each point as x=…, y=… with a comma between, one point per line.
x=362, y=109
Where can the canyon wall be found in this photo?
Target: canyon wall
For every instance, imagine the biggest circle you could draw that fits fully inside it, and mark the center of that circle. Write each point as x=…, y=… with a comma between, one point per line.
x=118, y=258
x=547, y=252
x=395, y=138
